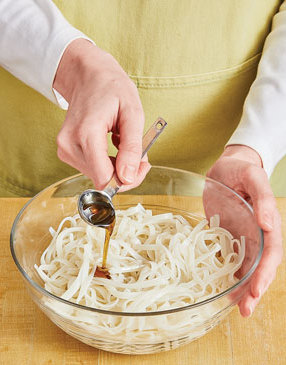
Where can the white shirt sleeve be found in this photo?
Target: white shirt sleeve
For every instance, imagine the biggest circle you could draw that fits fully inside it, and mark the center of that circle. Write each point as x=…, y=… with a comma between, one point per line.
x=263, y=122
x=33, y=37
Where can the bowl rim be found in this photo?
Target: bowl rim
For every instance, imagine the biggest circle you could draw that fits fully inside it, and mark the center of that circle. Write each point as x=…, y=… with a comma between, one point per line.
x=135, y=314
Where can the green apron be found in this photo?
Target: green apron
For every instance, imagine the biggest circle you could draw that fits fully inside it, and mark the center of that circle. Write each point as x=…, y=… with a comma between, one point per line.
x=192, y=61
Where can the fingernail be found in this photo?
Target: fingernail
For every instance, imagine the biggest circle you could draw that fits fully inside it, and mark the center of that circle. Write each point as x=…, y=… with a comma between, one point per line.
x=268, y=221
x=250, y=310
x=259, y=293
x=129, y=173
x=268, y=225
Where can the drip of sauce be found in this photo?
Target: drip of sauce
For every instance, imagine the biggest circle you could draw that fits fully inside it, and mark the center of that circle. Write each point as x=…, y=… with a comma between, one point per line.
x=102, y=214
x=100, y=272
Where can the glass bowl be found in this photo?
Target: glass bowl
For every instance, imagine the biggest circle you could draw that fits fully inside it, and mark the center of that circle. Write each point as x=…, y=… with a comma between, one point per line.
x=164, y=190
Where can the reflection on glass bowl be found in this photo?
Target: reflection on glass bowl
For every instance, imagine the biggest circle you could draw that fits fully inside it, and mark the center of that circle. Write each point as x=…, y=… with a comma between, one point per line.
x=164, y=190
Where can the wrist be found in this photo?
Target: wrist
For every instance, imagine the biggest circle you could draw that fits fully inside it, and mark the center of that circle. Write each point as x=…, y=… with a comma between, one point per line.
x=71, y=67
x=245, y=153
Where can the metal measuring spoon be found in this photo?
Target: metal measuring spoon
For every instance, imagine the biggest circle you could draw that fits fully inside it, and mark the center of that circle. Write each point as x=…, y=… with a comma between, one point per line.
x=95, y=207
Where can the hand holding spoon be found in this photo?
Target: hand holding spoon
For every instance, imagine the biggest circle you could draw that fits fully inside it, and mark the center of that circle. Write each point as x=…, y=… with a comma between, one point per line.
x=96, y=208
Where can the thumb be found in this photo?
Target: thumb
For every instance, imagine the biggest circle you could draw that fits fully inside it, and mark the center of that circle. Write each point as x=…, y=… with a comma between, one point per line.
x=259, y=190
x=130, y=146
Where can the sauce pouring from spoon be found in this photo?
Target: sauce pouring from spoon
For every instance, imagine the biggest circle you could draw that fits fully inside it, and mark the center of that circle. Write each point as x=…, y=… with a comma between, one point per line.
x=96, y=208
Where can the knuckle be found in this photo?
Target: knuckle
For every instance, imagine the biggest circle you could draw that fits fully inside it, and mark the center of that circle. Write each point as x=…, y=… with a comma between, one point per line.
x=131, y=147
x=61, y=155
x=132, y=104
x=134, y=112
x=257, y=178
x=139, y=114
x=81, y=133
x=113, y=85
x=251, y=172
x=133, y=87
x=62, y=149
x=61, y=140
x=88, y=132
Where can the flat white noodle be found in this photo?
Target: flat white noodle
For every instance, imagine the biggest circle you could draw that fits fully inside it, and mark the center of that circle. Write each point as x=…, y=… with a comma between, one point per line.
x=156, y=262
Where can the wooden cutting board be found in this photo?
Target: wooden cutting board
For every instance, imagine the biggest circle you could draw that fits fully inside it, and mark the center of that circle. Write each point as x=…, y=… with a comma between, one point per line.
x=28, y=337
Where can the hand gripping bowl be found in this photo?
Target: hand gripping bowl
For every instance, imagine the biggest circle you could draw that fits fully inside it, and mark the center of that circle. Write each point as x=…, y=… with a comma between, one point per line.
x=164, y=190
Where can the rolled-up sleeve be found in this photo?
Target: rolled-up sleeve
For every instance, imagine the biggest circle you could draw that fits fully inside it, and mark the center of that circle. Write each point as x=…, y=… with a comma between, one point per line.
x=263, y=123
x=33, y=37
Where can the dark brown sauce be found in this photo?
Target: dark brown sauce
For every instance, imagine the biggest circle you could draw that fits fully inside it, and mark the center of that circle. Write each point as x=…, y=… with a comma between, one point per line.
x=102, y=273
x=101, y=214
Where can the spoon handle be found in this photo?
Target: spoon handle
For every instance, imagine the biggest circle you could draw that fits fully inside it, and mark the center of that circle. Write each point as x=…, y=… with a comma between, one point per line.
x=149, y=138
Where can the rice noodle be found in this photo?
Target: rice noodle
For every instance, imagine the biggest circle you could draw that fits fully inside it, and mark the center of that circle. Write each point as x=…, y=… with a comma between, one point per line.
x=156, y=262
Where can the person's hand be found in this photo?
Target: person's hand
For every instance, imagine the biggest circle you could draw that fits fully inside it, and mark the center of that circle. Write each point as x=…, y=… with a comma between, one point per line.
x=101, y=99
x=240, y=168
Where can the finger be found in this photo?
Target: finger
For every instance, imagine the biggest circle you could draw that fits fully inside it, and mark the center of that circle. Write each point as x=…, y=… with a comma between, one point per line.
x=143, y=170
x=264, y=204
x=131, y=125
x=247, y=304
x=95, y=150
x=116, y=141
x=268, y=218
x=266, y=270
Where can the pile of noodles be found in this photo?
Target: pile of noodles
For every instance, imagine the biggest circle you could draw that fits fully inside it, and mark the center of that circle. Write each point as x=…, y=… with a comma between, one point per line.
x=156, y=262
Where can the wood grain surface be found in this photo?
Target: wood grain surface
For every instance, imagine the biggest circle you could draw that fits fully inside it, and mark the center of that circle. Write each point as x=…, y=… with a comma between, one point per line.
x=28, y=337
